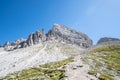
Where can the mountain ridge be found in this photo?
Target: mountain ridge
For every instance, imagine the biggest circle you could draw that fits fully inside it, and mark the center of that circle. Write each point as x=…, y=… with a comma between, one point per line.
x=59, y=33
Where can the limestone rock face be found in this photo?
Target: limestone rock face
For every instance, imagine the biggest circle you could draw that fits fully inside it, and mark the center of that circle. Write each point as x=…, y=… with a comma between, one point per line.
x=64, y=34
x=108, y=40
x=33, y=38
x=36, y=38
x=30, y=40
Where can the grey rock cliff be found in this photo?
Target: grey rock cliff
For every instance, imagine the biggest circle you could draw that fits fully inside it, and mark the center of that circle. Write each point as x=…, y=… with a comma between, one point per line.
x=64, y=34
x=30, y=40
x=108, y=40
x=35, y=38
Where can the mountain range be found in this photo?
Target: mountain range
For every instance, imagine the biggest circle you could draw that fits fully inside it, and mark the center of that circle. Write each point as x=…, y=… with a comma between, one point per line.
x=59, y=33
x=61, y=54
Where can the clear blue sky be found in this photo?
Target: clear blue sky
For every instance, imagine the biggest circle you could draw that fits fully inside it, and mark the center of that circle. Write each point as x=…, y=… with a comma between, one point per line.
x=96, y=18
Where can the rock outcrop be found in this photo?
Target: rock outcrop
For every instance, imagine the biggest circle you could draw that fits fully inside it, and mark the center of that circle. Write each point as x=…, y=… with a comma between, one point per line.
x=108, y=40
x=64, y=34
x=18, y=43
x=34, y=38
x=37, y=37
x=15, y=45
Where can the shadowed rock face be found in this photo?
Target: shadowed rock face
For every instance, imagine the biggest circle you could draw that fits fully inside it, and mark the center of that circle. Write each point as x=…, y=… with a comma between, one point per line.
x=62, y=33
x=58, y=33
x=36, y=38
x=108, y=40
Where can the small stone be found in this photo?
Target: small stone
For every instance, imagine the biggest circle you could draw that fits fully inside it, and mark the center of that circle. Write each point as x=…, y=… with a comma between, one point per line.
x=98, y=75
x=80, y=66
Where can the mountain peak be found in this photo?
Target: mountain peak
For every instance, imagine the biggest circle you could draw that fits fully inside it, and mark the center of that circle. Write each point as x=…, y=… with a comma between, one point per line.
x=65, y=34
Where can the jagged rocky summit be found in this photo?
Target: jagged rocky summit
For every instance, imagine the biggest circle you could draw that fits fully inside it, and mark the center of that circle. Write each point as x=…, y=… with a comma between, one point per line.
x=108, y=40
x=62, y=33
x=59, y=33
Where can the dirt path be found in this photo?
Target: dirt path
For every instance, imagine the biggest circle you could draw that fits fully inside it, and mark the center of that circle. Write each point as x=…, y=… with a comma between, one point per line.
x=77, y=70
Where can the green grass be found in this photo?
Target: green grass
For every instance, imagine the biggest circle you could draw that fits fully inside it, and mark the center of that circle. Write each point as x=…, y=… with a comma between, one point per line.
x=93, y=72
x=50, y=71
x=105, y=77
x=105, y=60
x=58, y=64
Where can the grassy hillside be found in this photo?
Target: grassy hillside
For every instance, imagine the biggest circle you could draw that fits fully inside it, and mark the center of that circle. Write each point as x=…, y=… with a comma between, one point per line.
x=104, y=62
x=50, y=71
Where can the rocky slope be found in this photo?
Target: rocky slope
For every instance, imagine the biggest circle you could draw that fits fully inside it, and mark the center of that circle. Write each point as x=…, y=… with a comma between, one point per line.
x=61, y=54
x=100, y=63
x=35, y=55
x=59, y=33
x=104, y=62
